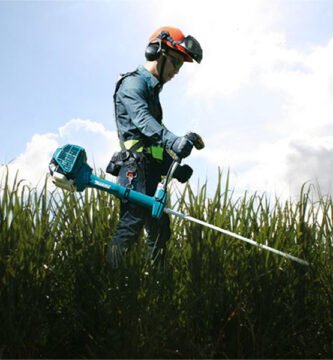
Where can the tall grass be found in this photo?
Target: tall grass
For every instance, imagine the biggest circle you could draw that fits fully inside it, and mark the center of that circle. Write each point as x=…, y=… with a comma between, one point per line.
x=217, y=298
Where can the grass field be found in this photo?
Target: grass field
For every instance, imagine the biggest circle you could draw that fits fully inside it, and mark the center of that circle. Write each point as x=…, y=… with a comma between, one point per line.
x=217, y=298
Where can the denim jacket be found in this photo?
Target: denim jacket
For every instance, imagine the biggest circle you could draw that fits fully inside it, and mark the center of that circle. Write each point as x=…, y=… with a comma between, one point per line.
x=138, y=110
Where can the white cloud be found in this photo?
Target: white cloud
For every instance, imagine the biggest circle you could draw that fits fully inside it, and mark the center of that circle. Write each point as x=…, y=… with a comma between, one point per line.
x=232, y=35
x=304, y=152
x=32, y=165
x=307, y=86
x=311, y=160
x=244, y=48
x=99, y=143
x=282, y=167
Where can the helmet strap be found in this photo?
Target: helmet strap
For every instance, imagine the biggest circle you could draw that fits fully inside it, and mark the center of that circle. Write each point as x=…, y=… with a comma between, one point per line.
x=161, y=68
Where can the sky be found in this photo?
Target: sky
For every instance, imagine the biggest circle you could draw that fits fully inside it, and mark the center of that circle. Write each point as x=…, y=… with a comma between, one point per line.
x=262, y=98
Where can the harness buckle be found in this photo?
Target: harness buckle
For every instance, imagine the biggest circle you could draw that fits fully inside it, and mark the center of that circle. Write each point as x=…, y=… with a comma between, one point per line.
x=131, y=175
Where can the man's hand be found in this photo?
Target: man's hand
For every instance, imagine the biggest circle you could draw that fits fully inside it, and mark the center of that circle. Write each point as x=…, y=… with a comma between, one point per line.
x=182, y=147
x=183, y=173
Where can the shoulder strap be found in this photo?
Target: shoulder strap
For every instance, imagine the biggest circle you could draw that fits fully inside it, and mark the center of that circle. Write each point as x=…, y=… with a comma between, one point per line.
x=118, y=83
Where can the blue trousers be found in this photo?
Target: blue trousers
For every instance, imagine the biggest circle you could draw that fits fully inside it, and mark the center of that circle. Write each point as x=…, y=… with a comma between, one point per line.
x=141, y=173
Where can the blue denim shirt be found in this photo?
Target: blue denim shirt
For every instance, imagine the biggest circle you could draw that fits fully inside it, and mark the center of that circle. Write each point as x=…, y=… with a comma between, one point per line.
x=138, y=110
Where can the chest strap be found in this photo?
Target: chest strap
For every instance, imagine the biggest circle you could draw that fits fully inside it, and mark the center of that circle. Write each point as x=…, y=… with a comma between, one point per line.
x=136, y=145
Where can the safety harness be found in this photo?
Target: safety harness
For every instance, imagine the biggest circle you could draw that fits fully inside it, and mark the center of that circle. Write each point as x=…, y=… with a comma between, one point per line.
x=134, y=145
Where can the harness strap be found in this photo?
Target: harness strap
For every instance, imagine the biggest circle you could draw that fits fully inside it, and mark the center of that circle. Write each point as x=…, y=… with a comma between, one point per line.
x=118, y=83
x=136, y=145
x=133, y=144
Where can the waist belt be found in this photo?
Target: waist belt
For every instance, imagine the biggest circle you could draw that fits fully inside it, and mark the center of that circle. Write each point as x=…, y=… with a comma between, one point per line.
x=155, y=151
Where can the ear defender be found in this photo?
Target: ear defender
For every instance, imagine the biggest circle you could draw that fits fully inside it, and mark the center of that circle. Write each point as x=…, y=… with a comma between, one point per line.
x=154, y=49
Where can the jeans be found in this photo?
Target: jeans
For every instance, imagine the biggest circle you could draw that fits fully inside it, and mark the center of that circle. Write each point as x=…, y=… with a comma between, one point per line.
x=140, y=174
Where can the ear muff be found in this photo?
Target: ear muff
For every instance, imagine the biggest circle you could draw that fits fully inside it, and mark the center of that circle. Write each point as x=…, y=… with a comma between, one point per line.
x=154, y=49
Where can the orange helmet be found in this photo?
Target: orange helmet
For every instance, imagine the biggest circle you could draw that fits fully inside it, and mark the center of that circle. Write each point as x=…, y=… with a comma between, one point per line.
x=173, y=38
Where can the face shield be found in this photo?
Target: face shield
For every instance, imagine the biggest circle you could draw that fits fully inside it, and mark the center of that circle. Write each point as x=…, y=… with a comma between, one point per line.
x=192, y=47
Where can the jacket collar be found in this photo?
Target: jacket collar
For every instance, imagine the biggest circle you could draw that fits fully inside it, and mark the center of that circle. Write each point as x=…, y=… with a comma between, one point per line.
x=149, y=77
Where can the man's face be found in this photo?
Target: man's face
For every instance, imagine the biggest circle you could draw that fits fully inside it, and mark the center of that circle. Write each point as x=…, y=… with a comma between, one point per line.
x=174, y=61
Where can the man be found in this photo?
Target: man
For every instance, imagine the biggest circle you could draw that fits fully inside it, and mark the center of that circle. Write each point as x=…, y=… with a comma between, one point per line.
x=144, y=139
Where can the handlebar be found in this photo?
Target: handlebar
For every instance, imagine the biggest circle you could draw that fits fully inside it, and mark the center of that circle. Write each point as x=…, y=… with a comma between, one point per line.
x=196, y=140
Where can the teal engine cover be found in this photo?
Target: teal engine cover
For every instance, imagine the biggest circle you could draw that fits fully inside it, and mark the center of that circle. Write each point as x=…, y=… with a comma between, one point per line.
x=71, y=161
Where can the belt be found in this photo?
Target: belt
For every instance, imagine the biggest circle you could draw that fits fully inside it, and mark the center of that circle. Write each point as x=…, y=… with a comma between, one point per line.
x=155, y=151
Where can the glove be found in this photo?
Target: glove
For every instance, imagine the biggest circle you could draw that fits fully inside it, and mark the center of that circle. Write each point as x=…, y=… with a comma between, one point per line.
x=182, y=147
x=183, y=173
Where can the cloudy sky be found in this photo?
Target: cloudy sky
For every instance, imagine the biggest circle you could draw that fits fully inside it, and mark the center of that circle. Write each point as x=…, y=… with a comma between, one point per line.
x=262, y=98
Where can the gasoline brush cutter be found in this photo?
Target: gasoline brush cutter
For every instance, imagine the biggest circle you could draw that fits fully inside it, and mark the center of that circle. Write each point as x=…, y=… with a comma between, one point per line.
x=70, y=171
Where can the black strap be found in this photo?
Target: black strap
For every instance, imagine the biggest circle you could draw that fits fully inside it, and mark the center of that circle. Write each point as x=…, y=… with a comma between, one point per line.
x=118, y=83
x=162, y=70
x=136, y=146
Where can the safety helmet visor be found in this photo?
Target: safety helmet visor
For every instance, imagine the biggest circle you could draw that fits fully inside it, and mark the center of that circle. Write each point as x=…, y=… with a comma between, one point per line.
x=192, y=47
x=176, y=62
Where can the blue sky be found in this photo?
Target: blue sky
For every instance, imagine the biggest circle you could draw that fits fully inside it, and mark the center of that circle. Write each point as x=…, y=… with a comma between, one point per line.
x=262, y=97
x=58, y=61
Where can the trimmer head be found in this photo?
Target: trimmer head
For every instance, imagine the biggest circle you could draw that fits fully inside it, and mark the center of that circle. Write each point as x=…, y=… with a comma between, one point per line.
x=69, y=168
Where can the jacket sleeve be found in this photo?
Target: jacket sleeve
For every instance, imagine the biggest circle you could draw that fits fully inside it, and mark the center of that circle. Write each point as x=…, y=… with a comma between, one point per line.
x=133, y=95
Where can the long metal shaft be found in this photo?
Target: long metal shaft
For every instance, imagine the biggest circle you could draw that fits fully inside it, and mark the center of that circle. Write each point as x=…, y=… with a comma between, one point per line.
x=252, y=242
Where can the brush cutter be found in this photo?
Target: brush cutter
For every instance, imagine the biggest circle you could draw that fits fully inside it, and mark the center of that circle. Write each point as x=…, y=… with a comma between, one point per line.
x=70, y=171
